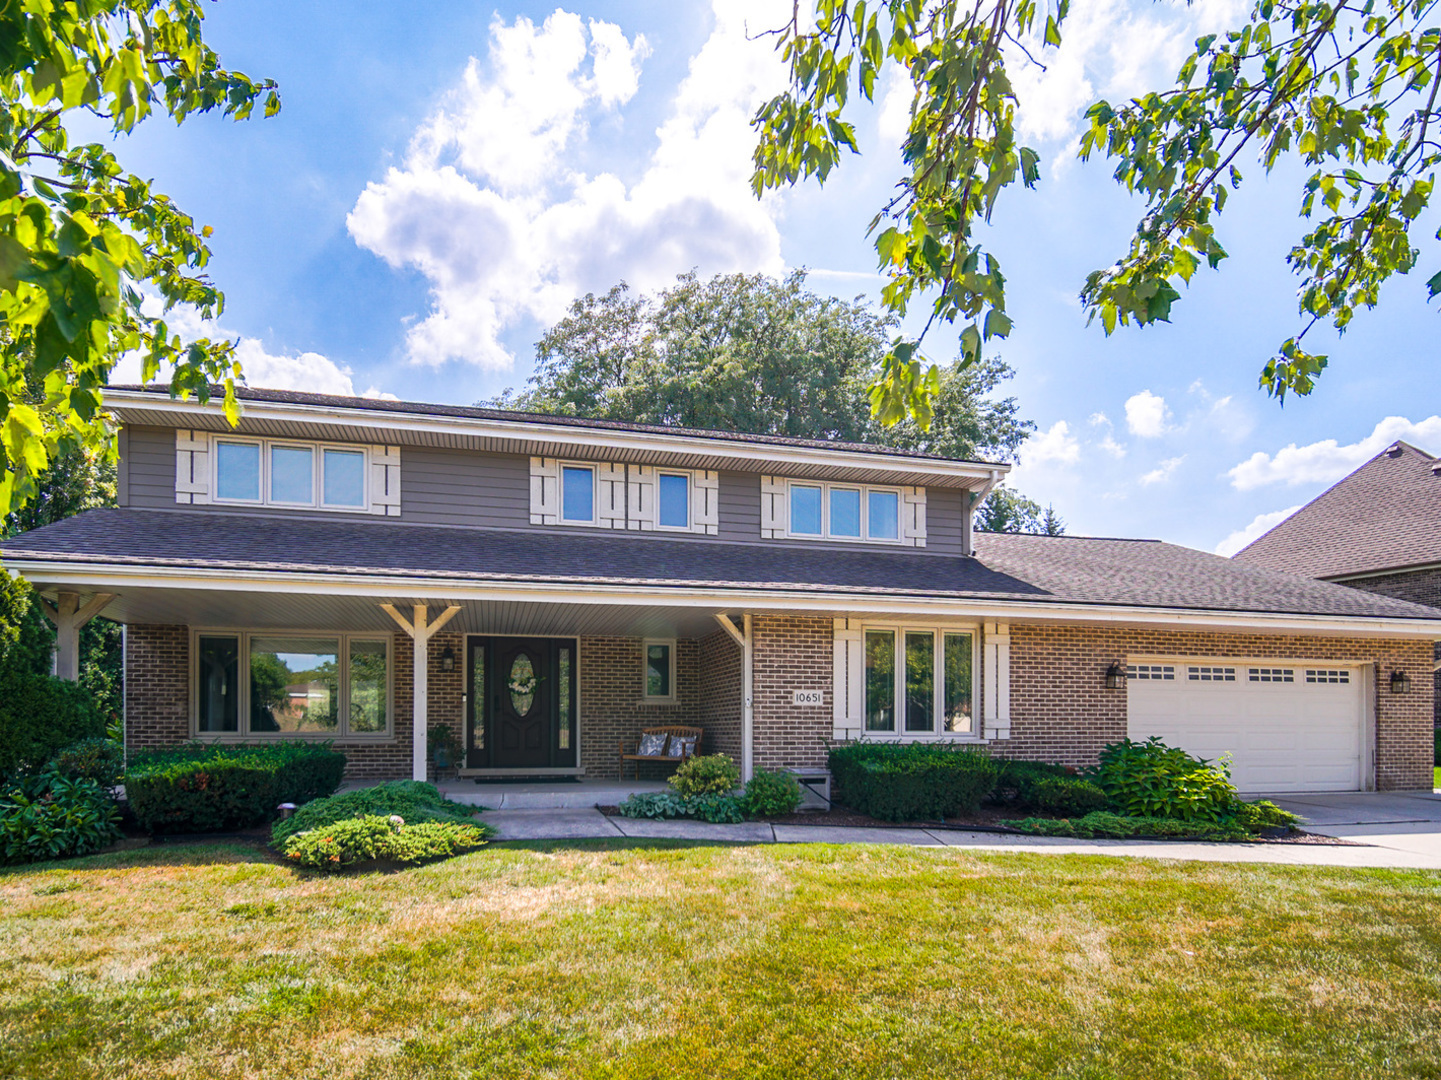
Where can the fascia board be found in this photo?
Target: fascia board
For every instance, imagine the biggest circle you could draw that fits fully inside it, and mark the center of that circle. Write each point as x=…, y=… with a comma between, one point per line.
x=632, y=594
x=563, y=437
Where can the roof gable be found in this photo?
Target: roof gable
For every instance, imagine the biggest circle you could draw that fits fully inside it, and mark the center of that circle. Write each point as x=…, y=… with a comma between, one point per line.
x=1384, y=516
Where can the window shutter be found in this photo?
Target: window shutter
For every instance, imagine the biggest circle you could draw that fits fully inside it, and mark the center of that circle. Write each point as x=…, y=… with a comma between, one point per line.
x=544, y=491
x=996, y=679
x=641, y=499
x=610, y=501
x=192, y=467
x=848, y=688
x=773, y=507
x=704, y=501
x=913, y=516
x=385, y=480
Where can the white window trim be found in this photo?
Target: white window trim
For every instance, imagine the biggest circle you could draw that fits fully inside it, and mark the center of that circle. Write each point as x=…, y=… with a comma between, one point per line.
x=689, y=477
x=938, y=709
x=342, y=733
x=908, y=500
x=626, y=496
x=594, y=492
x=653, y=699
x=368, y=504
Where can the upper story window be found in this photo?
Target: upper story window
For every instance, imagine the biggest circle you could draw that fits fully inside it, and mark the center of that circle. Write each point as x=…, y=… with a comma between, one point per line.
x=844, y=512
x=286, y=473
x=672, y=500
x=637, y=498
x=577, y=494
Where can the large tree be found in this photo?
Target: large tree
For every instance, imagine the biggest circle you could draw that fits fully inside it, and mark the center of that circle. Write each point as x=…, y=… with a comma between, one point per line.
x=1347, y=87
x=757, y=354
x=93, y=257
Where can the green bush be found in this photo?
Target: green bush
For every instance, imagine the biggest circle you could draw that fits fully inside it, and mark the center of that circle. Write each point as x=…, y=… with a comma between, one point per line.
x=912, y=781
x=200, y=788
x=1103, y=825
x=711, y=774
x=40, y=716
x=1261, y=814
x=413, y=801
x=101, y=760
x=1016, y=785
x=716, y=809
x=50, y=817
x=1069, y=796
x=1436, y=740
x=659, y=805
x=377, y=838
x=1151, y=779
x=771, y=794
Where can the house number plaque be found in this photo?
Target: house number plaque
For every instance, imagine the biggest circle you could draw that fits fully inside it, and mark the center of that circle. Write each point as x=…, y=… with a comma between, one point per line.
x=808, y=697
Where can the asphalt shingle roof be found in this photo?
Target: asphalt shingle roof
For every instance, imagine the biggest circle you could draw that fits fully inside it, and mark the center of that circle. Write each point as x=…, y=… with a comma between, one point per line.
x=1067, y=570
x=1386, y=515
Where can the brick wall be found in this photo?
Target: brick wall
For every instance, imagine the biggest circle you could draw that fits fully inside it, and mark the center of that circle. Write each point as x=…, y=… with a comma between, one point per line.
x=791, y=653
x=1061, y=710
x=1420, y=587
x=612, y=689
x=720, y=694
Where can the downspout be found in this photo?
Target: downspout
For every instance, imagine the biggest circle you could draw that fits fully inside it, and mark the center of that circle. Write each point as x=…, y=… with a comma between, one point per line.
x=978, y=497
x=748, y=699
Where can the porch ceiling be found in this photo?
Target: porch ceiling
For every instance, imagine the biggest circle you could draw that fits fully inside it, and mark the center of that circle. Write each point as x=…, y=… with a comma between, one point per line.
x=299, y=611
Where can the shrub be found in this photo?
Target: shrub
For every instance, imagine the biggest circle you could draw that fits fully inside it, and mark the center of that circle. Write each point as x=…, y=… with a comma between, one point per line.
x=659, y=805
x=1016, y=785
x=101, y=760
x=1436, y=740
x=377, y=838
x=51, y=817
x=1103, y=825
x=413, y=801
x=1068, y=796
x=912, y=781
x=198, y=788
x=1261, y=814
x=771, y=794
x=710, y=774
x=1151, y=779
x=40, y=716
x=717, y=809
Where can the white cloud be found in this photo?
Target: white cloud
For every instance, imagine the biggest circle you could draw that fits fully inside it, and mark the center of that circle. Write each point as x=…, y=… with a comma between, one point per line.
x=894, y=121
x=1261, y=523
x=1162, y=472
x=1327, y=461
x=1055, y=444
x=1146, y=415
x=486, y=207
x=1112, y=447
x=1098, y=418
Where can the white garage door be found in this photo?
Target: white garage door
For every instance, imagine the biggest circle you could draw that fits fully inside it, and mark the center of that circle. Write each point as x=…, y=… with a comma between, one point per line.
x=1286, y=728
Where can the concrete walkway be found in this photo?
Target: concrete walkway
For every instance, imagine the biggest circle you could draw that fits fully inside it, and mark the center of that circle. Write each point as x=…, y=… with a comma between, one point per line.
x=578, y=823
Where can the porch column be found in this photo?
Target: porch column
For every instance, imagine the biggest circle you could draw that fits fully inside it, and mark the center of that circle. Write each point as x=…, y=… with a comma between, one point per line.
x=68, y=617
x=420, y=632
x=744, y=639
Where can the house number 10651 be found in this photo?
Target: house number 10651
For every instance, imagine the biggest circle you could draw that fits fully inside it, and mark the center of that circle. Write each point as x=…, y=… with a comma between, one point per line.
x=808, y=697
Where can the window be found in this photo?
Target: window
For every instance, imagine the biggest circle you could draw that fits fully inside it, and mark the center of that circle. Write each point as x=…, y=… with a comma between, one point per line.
x=1265, y=674
x=1153, y=672
x=1211, y=674
x=659, y=671
x=274, y=473
x=577, y=493
x=296, y=685
x=673, y=501
x=844, y=512
x=1327, y=675
x=928, y=685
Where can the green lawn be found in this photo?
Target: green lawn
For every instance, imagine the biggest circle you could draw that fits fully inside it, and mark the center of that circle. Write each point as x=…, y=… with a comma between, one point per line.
x=1436, y=782
x=611, y=959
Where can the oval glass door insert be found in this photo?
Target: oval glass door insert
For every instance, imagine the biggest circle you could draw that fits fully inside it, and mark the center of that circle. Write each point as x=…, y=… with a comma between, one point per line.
x=522, y=685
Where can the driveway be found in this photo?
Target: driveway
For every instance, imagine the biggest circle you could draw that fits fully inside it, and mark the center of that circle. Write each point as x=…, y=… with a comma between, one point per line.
x=1407, y=821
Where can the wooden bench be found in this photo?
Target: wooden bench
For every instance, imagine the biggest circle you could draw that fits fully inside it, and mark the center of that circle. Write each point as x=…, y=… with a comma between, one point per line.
x=634, y=755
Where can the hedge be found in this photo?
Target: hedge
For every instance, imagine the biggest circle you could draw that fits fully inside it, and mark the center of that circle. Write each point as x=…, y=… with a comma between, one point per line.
x=415, y=802
x=200, y=788
x=912, y=781
x=40, y=716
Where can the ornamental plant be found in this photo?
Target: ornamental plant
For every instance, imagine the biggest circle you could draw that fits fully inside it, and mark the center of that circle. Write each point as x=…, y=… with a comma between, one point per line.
x=772, y=794
x=1151, y=779
x=711, y=774
x=50, y=817
x=377, y=838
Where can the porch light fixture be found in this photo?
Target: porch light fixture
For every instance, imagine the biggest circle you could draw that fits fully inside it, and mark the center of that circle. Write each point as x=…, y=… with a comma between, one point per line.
x=1400, y=682
x=1115, y=677
x=447, y=660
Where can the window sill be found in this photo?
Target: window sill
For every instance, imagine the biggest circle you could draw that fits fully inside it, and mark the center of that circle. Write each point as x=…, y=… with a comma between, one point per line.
x=663, y=703
x=857, y=735
x=378, y=739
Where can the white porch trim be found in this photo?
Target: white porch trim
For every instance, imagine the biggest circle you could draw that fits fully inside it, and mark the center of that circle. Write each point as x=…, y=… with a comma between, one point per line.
x=68, y=617
x=420, y=632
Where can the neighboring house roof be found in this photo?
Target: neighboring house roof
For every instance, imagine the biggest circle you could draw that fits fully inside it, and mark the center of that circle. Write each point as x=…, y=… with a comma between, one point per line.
x=1384, y=516
x=1007, y=567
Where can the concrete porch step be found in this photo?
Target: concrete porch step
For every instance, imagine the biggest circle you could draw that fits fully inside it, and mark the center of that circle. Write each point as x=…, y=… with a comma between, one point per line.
x=543, y=795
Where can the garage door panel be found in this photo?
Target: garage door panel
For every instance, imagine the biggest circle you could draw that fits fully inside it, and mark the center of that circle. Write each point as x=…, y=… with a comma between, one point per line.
x=1282, y=736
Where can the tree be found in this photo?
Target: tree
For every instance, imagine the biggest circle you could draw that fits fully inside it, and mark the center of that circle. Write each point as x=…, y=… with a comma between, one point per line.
x=86, y=248
x=751, y=353
x=1348, y=86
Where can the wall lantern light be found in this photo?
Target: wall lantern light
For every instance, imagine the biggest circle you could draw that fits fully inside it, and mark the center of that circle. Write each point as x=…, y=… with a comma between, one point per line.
x=1115, y=677
x=447, y=659
x=1400, y=682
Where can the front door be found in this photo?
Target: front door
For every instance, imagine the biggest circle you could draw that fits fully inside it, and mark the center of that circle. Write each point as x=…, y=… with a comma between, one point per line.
x=521, y=697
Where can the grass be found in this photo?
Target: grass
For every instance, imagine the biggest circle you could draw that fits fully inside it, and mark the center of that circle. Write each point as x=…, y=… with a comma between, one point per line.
x=638, y=960
x=1436, y=781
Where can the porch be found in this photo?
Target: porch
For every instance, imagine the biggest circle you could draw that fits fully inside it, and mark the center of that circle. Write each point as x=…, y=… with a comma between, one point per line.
x=580, y=793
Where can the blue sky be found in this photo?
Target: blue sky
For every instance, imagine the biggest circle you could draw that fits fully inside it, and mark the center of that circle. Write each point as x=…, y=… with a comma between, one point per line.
x=444, y=178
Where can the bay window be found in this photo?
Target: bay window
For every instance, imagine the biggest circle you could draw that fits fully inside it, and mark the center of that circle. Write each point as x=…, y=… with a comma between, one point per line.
x=291, y=685
x=919, y=681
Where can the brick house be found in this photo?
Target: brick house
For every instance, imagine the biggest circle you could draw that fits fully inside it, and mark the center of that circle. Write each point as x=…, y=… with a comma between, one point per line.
x=1378, y=529
x=332, y=568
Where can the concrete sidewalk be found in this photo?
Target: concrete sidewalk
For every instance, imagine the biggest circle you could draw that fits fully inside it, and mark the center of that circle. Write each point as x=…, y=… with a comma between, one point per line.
x=578, y=823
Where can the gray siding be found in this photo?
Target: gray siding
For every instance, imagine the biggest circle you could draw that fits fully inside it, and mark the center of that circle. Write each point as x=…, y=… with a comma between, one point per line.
x=946, y=521
x=739, y=507
x=150, y=467
x=455, y=487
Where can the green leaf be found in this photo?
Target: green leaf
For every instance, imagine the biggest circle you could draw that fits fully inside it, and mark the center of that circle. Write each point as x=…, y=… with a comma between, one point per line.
x=1053, y=31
